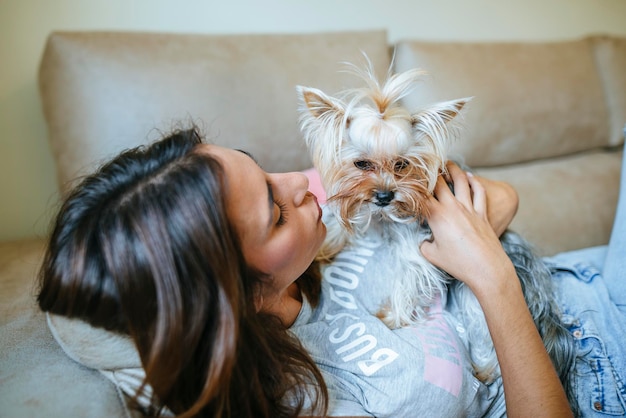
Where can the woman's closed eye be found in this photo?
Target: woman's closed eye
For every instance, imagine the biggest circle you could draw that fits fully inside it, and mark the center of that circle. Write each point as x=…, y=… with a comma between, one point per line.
x=282, y=217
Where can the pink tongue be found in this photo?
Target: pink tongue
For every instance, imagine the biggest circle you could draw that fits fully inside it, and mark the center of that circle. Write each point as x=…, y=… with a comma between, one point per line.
x=315, y=185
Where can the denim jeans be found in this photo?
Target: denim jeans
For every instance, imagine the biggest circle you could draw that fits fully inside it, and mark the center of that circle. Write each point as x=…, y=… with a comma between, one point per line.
x=591, y=291
x=599, y=330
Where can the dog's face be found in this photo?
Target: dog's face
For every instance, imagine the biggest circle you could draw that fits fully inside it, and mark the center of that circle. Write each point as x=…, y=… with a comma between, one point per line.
x=381, y=170
x=376, y=159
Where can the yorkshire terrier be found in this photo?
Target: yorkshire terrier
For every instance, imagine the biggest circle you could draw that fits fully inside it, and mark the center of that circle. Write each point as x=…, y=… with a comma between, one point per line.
x=378, y=163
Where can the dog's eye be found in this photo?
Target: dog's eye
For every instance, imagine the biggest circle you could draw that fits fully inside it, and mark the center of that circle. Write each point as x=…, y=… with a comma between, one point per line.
x=364, y=165
x=401, y=165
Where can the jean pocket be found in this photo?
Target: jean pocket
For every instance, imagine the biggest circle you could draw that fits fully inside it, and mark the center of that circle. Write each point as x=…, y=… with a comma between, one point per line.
x=599, y=390
x=581, y=271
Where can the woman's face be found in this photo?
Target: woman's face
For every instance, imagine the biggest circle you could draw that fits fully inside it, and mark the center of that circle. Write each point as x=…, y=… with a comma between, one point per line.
x=277, y=219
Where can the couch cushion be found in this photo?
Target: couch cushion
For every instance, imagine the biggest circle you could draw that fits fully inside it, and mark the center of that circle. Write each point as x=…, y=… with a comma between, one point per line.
x=103, y=92
x=531, y=100
x=611, y=60
x=565, y=203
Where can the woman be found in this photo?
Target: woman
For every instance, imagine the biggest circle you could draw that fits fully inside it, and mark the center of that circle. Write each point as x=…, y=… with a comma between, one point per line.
x=145, y=247
x=205, y=261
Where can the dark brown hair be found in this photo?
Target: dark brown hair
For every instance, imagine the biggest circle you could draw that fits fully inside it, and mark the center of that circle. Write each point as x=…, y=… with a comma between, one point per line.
x=144, y=247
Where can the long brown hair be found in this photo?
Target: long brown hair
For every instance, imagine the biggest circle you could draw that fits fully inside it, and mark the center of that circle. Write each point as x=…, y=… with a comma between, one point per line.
x=144, y=247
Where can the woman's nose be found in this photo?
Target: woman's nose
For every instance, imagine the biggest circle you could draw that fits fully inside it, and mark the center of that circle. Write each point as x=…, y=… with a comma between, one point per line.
x=293, y=186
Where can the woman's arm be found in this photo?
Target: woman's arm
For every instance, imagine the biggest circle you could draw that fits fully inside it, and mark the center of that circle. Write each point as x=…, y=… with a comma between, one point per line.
x=466, y=246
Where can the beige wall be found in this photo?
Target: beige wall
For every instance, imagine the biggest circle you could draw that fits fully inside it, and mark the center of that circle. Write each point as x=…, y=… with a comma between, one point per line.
x=27, y=185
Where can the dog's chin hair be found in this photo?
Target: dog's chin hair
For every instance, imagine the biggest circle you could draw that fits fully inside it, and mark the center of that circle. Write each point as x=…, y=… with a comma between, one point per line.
x=420, y=282
x=391, y=217
x=357, y=217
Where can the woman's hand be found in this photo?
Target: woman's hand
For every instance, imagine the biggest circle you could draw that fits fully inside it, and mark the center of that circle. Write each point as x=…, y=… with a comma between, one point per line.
x=464, y=242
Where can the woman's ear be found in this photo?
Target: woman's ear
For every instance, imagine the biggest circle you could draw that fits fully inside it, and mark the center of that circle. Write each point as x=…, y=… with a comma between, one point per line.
x=257, y=295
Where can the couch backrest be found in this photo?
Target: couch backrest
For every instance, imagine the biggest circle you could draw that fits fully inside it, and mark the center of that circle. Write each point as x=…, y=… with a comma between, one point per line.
x=533, y=102
x=524, y=106
x=546, y=117
x=104, y=92
x=610, y=53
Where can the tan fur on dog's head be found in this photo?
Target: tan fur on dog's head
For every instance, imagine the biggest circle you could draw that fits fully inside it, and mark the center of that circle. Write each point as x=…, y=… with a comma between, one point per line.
x=376, y=158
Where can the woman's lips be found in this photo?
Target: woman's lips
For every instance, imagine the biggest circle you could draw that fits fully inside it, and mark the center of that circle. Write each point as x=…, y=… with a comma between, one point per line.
x=319, y=208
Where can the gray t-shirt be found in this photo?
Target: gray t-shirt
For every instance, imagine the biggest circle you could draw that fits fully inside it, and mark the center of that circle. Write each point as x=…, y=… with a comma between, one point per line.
x=372, y=370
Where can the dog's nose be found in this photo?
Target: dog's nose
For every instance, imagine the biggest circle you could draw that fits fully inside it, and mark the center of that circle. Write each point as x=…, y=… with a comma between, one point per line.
x=384, y=198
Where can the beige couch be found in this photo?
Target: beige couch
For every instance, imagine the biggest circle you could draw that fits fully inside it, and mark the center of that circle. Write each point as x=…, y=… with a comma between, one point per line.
x=547, y=117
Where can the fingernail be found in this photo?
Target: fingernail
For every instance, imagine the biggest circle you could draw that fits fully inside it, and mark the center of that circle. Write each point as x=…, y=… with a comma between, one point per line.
x=469, y=174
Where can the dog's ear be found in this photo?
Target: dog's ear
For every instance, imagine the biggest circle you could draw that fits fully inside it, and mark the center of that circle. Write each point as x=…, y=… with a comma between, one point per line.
x=318, y=103
x=440, y=113
x=322, y=123
x=433, y=120
x=432, y=126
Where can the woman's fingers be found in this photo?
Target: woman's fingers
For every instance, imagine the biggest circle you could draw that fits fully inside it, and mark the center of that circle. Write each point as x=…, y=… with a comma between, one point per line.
x=468, y=191
x=479, y=195
x=461, y=185
x=442, y=190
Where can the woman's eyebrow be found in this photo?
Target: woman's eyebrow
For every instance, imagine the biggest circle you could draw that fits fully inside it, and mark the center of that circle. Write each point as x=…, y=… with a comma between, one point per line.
x=249, y=155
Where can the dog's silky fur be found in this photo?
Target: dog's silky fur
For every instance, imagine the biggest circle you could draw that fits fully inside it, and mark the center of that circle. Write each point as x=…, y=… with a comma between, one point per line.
x=378, y=162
